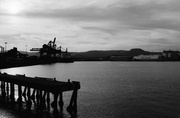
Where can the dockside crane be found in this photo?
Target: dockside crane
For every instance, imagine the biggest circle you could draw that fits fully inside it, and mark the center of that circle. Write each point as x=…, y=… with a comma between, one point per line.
x=51, y=50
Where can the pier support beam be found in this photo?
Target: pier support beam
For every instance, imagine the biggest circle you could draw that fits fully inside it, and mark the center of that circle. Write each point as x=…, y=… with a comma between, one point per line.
x=24, y=94
x=3, y=92
x=40, y=100
x=12, y=92
x=73, y=103
x=7, y=91
x=37, y=98
x=33, y=97
x=48, y=101
x=20, y=96
x=61, y=103
x=54, y=104
x=28, y=102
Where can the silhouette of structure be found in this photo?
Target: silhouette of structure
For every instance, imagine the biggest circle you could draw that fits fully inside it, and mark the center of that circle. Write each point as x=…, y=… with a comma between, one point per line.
x=1, y=49
x=11, y=55
x=52, y=52
x=49, y=53
x=171, y=55
x=36, y=91
x=147, y=58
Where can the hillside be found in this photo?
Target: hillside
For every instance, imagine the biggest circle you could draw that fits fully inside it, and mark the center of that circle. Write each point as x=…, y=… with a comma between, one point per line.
x=105, y=55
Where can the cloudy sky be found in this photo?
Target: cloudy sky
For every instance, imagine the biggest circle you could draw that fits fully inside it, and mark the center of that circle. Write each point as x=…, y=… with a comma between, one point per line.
x=82, y=25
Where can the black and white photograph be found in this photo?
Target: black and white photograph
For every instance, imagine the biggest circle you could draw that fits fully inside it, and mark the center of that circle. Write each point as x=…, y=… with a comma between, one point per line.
x=89, y=59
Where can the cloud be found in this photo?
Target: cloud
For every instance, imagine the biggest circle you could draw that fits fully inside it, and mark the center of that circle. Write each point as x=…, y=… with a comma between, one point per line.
x=103, y=23
x=108, y=30
x=142, y=14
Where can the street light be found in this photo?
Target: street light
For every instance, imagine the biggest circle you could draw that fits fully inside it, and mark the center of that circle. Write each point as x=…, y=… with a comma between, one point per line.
x=26, y=49
x=5, y=46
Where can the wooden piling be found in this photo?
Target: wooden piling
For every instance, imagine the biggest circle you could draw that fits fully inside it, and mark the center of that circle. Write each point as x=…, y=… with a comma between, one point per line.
x=37, y=98
x=61, y=103
x=20, y=96
x=12, y=93
x=7, y=91
x=29, y=103
x=33, y=97
x=73, y=102
x=24, y=93
x=3, y=92
x=54, y=104
x=48, y=101
x=44, y=100
x=41, y=101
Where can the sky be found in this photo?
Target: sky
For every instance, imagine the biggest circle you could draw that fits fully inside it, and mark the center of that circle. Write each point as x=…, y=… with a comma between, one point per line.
x=83, y=25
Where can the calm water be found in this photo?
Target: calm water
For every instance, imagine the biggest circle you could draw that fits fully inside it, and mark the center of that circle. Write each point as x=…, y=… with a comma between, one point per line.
x=117, y=89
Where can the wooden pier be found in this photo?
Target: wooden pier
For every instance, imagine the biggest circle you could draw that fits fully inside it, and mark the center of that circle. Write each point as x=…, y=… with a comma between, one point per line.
x=36, y=91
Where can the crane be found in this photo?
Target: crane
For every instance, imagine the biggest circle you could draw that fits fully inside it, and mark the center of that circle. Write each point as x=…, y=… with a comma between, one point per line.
x=51, y=50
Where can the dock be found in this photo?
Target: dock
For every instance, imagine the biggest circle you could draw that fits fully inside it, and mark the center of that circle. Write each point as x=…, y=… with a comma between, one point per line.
x=36, y=91
x=47, y=54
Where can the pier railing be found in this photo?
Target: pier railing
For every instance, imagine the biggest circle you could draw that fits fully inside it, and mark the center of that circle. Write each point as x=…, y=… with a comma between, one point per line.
x=37, y=91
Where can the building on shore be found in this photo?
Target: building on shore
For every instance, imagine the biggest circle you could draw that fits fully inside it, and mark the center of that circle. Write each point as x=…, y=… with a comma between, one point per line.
x=12, y=55
x=171, y=55
x=147, y=57
x=120, y=58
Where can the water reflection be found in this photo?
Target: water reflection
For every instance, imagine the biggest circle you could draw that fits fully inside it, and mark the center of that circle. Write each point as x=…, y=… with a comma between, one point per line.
x=119, y=89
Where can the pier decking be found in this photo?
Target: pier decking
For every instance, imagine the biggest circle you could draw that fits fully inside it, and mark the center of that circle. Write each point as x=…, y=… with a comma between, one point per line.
x=37, y=91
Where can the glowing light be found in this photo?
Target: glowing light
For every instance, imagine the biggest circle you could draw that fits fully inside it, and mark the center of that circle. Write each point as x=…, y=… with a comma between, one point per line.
x=12, y=7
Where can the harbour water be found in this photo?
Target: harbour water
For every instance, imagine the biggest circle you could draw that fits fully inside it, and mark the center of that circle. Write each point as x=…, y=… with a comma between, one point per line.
x=115, y=89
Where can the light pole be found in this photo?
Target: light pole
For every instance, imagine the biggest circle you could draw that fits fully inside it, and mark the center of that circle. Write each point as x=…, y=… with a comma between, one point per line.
x=26, y=49
x=5, y=46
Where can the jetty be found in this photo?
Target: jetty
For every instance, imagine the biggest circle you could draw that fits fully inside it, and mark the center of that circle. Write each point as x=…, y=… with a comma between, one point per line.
x=37, y=91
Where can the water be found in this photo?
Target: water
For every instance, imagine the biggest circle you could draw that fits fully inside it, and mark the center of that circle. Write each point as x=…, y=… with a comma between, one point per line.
x=117, y=89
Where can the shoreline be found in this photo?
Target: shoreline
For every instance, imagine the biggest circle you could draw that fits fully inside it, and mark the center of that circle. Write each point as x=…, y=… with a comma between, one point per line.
x=5, y=65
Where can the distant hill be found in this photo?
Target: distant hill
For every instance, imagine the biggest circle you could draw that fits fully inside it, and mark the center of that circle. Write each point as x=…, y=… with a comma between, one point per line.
x=138, y=51
x=104, y=55
x=97, y=55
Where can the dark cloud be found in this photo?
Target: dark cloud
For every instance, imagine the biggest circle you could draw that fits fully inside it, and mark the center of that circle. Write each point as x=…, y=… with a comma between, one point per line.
x=131, y=22
x=137, y=16
x=108, y=30
x=161, y=41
